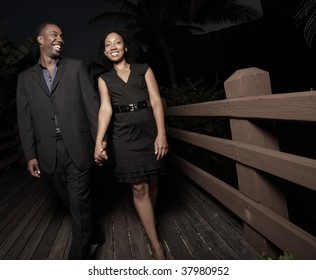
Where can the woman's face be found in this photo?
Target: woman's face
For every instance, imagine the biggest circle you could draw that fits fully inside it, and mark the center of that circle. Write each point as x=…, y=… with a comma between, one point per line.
x=114, y=47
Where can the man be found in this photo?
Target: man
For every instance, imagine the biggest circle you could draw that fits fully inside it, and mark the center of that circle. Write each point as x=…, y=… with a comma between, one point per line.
x=57, y=111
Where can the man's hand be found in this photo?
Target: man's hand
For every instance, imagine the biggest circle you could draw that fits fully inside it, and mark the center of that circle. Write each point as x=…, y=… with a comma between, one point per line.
x=103, y=152
x=100, y=154
x=33, y=168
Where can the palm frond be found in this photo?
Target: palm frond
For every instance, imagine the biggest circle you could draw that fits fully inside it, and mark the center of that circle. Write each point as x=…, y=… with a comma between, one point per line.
x=306, y=16
x=214, y=12
x=122, y=18
x=189, y=28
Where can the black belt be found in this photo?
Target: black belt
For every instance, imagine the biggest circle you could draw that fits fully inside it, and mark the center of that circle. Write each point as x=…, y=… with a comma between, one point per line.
x=132, y=107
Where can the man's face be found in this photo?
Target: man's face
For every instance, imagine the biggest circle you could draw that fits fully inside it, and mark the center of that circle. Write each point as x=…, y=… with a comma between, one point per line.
x=51, y=41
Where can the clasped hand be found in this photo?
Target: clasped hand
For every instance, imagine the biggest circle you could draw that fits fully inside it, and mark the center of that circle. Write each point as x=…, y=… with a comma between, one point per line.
x=100, y=154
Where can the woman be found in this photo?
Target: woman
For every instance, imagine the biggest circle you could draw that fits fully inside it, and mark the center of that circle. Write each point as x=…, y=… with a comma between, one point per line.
x=129, y=93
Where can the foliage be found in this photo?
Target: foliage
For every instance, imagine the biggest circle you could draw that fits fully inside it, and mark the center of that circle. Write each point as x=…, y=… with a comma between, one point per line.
x=191, y=92
x=12, y=57
x=156, y=14
x=306, y=16
x=285, y=256
x=196, y=92
x=12, y=60
x=157, y=23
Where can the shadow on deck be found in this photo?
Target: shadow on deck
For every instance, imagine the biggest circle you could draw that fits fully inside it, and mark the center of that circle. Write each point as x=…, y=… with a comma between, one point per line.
x=191, y=225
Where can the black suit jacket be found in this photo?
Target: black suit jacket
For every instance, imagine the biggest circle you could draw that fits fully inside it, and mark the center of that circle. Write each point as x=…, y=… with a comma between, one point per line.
x=76, y=105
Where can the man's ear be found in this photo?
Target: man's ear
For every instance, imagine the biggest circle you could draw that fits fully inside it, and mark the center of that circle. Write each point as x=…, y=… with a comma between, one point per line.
x=40, y=39
x=126, y=49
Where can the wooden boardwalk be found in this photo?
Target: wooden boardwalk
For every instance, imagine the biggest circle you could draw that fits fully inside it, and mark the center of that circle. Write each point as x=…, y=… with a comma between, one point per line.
x=191, y=225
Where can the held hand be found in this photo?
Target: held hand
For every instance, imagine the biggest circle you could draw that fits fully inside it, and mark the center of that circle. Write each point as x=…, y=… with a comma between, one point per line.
x=33, y=168
x=103, y=151
x=100, y=154
x=161, y=146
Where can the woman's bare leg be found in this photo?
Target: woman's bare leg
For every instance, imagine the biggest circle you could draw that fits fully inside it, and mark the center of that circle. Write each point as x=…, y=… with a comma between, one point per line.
x=144, y=209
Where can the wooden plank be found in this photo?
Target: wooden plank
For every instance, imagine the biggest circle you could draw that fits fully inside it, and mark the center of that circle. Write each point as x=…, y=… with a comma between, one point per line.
x=14, y=197
x=201, y=238
x=15, y=241
x=59, y=248
x=14, y=217
x=223, y=226
x=11, y=179
x=121, y=242
x=298, y=106
x=163, y=242
x=48, y=238
x=284, y=234
x=139, y=243
x=218, y=248
x=204, y=198
x=15, y=185
x=107, y=202
x=18, y=173
x=106, y=250
x=50, y=229
x=173, y=237
x=9, y=145
x=8, y=133
x=36, y=229
x=10, y=160
x=190, y=236
x=297, y=169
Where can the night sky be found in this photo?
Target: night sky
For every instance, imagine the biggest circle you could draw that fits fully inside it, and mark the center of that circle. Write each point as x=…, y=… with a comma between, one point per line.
x=72, y=16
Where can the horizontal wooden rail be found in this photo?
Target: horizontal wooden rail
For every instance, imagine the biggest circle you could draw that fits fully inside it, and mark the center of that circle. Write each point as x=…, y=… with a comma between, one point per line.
x=293, y=168
x=8, y=133
x=260, y=200
x=10, y=143
x=298, y=106
x=11, y=159
x=280, y=231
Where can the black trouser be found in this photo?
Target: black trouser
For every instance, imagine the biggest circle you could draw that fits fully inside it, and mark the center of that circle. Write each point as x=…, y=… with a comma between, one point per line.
x=73, y=186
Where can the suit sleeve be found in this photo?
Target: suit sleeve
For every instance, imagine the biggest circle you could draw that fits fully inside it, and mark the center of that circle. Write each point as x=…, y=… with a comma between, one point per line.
x=25, y=124
x=90, y=98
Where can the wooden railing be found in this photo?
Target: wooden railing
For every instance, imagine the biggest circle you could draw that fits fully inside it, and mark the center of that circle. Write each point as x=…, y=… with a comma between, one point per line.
x=259, y=200
x=10, y=148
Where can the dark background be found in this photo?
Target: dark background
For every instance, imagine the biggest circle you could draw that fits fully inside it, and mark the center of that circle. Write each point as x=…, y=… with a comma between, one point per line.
x=73, y=16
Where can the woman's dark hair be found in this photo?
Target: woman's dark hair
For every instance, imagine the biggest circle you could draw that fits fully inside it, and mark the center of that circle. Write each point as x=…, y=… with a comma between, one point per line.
x=132, y=48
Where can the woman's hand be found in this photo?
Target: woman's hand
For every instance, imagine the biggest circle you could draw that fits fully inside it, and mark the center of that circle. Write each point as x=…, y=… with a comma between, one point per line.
x=100, y=154
x=161, y=146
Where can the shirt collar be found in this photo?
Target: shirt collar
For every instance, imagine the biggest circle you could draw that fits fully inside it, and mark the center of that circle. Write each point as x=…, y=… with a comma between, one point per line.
x=57, y=62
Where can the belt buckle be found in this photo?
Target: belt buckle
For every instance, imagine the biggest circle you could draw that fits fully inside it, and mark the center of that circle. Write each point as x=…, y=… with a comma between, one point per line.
x=131, y=107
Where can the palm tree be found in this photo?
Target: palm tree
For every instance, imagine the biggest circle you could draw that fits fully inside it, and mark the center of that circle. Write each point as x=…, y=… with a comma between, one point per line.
x=158, y=21
x=306, y=16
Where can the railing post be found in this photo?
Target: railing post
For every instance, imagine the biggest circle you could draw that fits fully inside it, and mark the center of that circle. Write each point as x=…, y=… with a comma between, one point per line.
x=256, y=185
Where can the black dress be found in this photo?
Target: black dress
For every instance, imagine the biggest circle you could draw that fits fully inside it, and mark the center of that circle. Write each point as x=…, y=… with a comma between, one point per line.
x=133, y=133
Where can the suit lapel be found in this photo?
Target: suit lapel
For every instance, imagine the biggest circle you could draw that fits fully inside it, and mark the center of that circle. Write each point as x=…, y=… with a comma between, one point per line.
x=60, y=71
x=38, y=76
